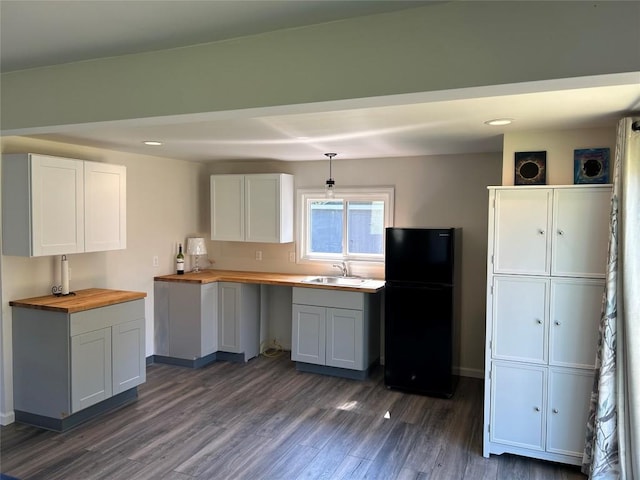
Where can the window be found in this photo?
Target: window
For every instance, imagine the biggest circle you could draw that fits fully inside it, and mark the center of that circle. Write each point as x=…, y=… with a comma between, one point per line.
x=349, y=226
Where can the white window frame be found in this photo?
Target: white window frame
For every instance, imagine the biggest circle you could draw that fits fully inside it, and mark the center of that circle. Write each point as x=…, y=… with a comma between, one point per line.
x=306, y=195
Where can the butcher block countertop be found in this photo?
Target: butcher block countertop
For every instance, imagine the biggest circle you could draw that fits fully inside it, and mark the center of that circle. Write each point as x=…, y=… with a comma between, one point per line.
x=269, y=278
x=82, y=300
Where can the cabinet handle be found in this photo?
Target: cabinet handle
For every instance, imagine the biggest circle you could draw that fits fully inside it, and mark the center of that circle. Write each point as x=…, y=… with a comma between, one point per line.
x=537, y=409
x=540, y=231
x=555, y=410
x=560, y=232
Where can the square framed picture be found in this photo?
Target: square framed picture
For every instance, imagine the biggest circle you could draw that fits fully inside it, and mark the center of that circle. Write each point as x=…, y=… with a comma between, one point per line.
x=591, y=165
x=530, y=168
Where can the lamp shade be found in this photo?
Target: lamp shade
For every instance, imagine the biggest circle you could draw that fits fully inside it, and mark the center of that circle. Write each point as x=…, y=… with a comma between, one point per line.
x=196, y=246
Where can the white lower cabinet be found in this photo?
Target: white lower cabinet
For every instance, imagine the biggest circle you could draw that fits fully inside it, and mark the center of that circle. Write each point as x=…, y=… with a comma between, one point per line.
x=535, y=408
x=335, y=328
x=239, y=319
x=65, y=363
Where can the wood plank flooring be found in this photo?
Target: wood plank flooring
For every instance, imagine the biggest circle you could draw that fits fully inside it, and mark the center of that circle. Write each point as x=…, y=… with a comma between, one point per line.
x=265, y=420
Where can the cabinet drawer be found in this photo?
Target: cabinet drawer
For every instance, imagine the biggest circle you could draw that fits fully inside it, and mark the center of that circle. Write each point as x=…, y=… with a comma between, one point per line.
x=328, y=298
x=103, y=317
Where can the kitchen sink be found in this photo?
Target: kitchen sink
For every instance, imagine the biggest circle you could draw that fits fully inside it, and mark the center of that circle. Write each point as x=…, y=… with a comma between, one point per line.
x=336, y=280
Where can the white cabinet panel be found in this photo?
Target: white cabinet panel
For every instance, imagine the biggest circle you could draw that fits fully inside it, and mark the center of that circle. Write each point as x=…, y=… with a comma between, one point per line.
x=520, y=306
x=569, y=399
x=105, y=207
x=522, y=223
x=574, y=318
x=580, y=232
x=227, y=207
x=517, y=404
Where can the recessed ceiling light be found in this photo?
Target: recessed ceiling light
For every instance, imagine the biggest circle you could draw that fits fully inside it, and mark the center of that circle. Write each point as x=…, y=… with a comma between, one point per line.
x=152, y=143
x=499, y=121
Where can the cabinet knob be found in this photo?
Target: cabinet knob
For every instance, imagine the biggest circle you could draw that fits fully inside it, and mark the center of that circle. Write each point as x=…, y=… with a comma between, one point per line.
x=538, y=321
x=557, y=322
x=560, y=232
x=555, y=410
x=540, y=231
x=537, y=409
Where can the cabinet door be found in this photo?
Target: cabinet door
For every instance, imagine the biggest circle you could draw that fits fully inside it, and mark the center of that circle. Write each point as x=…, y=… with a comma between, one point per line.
x=345, y=338
x=229, y=310
x=308, y=343
x=57, y=205
x=265, y=217
x=569, y=398
x=521, y=231
x=519, y=330
x=105, y=206
x=227, y=207
x=129, y=364
x=580, y=231
x=90, y=368
x=576, y=306
x=517, y=405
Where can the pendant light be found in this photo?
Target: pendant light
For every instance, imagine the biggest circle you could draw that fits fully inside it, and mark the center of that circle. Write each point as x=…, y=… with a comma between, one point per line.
x=330, y=183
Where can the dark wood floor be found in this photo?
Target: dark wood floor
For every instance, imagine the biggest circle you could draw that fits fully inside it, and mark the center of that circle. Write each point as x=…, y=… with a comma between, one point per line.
x=265, y=420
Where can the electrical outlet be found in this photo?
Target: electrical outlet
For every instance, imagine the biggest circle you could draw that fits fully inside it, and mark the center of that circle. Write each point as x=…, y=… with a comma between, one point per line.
x=258, y=255
x=292, y=257
x=156, y=261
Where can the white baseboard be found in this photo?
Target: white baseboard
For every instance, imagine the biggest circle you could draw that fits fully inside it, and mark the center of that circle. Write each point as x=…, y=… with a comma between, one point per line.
x=7, y=418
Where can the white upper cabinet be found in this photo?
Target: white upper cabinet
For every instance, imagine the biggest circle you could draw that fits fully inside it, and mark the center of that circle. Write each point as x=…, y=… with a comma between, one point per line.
x=252, y=208
x=55, y=206
x=551, y=231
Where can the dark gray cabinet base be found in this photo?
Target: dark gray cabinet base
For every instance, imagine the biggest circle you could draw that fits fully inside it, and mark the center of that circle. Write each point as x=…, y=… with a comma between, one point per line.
x=67, y=423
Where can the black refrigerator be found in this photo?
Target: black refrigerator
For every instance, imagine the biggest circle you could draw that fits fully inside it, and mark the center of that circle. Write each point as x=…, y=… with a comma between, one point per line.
x=422, y=309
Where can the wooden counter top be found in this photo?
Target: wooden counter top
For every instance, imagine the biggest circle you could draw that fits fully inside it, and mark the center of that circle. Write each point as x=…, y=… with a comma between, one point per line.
x=268, y=278
x=82, y=300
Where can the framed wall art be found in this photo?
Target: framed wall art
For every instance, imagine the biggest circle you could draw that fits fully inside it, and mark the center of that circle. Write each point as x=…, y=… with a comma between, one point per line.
x=530, y=168
x=591, y=165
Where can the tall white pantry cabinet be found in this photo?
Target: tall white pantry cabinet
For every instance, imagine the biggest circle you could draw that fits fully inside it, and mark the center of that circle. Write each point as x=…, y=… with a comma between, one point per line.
x=547, y=253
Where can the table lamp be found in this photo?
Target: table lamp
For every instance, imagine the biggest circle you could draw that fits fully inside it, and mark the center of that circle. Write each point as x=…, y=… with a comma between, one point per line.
x=196, y=247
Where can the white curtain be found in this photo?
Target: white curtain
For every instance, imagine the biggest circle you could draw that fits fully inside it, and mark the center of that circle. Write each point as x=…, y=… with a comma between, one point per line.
x=612, y=449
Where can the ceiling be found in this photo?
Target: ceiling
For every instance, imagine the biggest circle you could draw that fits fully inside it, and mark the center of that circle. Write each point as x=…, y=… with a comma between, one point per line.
x=40, y=33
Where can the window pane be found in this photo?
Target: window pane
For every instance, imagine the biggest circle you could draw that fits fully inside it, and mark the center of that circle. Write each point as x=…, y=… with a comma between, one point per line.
x=366, y=227
x=325, y=226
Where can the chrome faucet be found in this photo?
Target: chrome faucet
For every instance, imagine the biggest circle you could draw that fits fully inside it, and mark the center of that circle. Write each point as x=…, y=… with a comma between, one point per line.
x=343, y=268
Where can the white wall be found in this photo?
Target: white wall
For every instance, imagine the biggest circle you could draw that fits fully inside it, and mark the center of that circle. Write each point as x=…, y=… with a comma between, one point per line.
x=163, y=204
